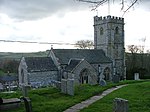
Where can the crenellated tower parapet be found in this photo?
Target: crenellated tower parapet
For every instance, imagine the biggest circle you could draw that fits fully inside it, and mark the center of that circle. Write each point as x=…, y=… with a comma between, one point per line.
x=107, y=19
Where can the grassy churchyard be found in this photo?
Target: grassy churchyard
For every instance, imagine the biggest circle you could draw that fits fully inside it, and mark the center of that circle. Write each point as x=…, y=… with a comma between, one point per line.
x=138, y=96
x=51, y=100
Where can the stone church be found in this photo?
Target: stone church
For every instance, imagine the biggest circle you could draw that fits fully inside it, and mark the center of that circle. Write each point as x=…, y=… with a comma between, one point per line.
x=82, y=65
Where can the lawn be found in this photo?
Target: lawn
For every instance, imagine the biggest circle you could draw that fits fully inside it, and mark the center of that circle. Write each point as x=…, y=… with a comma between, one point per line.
x=138, y=96
x=51, y=100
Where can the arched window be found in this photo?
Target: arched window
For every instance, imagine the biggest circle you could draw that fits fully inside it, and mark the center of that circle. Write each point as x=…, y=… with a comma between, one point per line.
x=101, y=31
x=117, y=30
x=107, y=73
x=84, y=76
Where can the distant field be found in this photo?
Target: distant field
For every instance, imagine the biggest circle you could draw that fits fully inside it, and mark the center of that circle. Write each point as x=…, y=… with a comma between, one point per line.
x=9, y=55
x=51, y=100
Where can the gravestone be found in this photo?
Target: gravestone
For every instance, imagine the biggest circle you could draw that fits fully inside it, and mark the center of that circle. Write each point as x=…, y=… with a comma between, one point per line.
x=9, y=104
x=25, y=89
x=136, y=76
x=101, y=76
x=70, y=87
x=27, y=102
x=102, y=82
x=67, y=86
x=120, y=105
x=64, y=86
x=116, y=78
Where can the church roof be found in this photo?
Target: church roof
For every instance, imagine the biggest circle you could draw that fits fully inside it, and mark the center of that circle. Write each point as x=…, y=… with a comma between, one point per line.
x=36, y=64
x=72, y=64
x=93, y=56
x=7, y=78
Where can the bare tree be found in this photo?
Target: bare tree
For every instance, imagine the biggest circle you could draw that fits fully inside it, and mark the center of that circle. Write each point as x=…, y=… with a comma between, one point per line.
x=84, y=44
x=142, y=47
x=133, y=58
x=148, y=51
x=133, y=49
x=136, y=60
x=97, y=3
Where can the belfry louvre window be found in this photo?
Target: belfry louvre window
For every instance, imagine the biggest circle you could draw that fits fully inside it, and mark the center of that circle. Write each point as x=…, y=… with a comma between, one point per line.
x=101, y=31
x=117, y=30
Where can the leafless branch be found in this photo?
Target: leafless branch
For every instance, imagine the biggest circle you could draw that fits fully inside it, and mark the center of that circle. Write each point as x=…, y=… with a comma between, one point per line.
x=88, y=1
x=97, y=3
x=132, y=4
x=122, y=3
x=101, y=2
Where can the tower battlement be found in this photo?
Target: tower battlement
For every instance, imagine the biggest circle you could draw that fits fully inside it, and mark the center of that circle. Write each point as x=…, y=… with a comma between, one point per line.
x=100, y=20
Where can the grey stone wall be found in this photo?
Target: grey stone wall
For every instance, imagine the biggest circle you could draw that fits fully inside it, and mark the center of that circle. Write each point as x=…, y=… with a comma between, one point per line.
x=39, y=79
x=103, y=66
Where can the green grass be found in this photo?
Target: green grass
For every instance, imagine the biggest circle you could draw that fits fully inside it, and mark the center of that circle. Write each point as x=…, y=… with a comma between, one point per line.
x=1, y=73
x=51, y=100
x=138, y=96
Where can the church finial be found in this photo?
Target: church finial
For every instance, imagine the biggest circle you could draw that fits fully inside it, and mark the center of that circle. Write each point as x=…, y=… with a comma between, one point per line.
x=51, y=47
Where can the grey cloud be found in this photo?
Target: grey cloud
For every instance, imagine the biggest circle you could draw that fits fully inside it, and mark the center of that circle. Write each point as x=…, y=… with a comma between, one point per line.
x=35, y=9
x=145, y=4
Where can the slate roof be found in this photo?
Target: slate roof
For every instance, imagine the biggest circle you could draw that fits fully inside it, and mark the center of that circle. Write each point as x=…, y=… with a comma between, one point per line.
x=72, y=64
x=93, y=56
x=36, y=64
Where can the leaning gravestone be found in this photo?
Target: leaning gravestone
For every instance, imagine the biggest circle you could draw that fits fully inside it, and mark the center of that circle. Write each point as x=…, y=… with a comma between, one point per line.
x=102, y=82
x=120, y=105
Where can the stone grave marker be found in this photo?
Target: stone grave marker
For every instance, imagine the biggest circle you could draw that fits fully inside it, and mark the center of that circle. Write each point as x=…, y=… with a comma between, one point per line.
x=64, y=86
x=67, y=86
x=136, y=76
x=102, y=82
x=25, y=89
x=120, y=105
x=70, y=87
x=116, y=78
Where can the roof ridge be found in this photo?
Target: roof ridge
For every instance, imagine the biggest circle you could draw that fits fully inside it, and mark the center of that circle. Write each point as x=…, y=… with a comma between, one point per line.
x=78, y=64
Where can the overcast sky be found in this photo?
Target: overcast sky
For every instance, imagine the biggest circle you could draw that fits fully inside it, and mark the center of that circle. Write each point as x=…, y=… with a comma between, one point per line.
x=63, y=21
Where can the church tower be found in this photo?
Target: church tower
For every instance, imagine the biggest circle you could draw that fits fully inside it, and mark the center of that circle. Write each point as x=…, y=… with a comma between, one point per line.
x=109, y=36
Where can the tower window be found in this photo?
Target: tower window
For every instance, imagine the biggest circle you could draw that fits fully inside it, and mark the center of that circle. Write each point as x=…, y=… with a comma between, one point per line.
x=117, y=30
x=101, y=31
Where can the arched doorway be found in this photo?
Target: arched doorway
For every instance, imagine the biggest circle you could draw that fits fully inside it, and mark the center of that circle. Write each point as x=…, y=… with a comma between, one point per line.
x=84, y=76
x=106, y=73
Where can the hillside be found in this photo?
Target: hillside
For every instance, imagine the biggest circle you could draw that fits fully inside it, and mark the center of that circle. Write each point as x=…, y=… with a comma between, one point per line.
x=17, y=56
